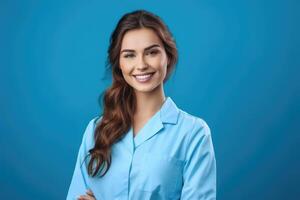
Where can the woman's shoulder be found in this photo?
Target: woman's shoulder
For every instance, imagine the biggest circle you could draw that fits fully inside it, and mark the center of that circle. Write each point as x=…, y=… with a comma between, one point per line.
x=88, y=136
x=96, y=120
x=92, y=123
x=193, y=122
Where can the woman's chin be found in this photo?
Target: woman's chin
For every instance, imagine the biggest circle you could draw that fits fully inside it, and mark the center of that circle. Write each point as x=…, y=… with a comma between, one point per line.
x=146, y=88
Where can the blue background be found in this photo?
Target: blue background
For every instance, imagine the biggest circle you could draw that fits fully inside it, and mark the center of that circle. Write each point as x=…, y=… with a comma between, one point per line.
x=238, y=70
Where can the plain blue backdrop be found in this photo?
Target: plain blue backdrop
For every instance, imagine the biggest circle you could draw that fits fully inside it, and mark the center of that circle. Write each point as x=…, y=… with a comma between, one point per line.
x=238, y=70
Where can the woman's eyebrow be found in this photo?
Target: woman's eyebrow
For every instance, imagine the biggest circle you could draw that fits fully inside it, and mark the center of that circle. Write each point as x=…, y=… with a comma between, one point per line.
x=150, y=47
x=147, y=48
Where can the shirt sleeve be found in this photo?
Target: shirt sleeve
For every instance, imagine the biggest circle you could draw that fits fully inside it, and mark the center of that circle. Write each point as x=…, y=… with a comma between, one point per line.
x=199, y=176
x=79, y=184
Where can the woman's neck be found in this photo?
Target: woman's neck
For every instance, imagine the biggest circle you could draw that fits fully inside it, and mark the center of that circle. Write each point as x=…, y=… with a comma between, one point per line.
x=148, y=103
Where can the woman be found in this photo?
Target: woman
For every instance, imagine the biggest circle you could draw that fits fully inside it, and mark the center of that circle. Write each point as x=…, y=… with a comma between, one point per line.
x=143, y=146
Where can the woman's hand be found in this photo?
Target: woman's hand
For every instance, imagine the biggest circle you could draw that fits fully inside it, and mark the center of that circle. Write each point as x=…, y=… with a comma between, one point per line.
x=89, y=196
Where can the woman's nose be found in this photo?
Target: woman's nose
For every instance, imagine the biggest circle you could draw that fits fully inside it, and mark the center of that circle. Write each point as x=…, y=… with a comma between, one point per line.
x=142, y=64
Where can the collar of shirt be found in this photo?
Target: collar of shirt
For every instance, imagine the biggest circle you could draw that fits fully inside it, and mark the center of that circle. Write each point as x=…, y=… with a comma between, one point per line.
x=168, y=114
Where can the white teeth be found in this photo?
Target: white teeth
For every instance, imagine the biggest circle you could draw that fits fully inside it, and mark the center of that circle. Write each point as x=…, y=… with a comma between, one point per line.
x=143, y=78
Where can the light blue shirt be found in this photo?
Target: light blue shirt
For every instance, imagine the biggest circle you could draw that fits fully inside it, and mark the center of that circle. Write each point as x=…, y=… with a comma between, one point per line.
x=171, y=157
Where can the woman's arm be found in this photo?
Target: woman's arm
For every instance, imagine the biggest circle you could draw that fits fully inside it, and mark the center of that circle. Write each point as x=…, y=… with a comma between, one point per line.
x=200, y=167
x=79, y=184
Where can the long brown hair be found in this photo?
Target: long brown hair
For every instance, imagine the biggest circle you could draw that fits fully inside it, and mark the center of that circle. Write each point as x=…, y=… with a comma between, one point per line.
x=119, y=100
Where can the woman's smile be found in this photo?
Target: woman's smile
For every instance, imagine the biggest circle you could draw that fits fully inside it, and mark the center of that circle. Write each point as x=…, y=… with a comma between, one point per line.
x=143, y=78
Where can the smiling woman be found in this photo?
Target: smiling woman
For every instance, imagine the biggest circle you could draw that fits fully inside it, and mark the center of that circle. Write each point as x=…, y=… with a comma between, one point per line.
x=143, y=146
x=151, y=52
x=143, y=60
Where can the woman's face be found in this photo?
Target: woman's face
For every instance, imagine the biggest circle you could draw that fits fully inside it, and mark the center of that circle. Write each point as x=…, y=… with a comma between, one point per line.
x=143, y=60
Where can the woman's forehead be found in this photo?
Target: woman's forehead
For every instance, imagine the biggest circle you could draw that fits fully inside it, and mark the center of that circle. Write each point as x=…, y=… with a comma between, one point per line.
x=139, y=39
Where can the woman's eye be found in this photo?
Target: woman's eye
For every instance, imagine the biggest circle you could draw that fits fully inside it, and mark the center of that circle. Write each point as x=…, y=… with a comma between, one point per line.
x=153, y=53
x=128, y=55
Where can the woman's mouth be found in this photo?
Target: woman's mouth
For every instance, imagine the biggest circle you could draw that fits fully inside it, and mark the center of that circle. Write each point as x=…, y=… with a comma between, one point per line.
x=143, y=78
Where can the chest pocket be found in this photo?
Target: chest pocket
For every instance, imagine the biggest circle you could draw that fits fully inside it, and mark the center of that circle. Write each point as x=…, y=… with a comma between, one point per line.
x=161, y=174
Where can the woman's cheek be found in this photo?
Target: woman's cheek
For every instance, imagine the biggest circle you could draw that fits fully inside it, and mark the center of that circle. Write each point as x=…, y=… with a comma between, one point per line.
x=155, y=63
x=125, y=67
